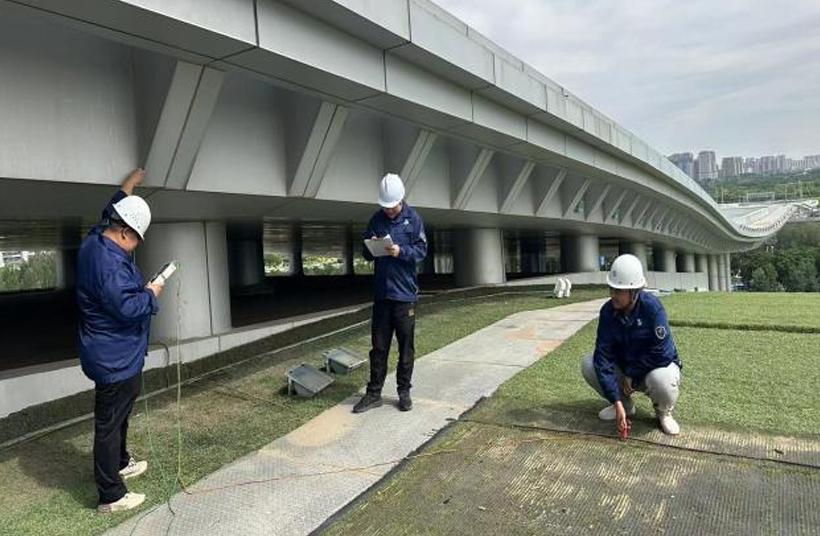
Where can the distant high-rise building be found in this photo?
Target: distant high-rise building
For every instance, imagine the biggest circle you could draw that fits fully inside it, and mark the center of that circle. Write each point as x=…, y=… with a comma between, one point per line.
x=707, y=165
x=773, y=164
x=731, y=166
x=684, y=161
x=811, y=161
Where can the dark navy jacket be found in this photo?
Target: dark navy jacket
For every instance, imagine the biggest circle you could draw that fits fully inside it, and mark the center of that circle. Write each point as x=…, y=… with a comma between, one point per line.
x=396, y=276
x=115, y=308
x=636, y=343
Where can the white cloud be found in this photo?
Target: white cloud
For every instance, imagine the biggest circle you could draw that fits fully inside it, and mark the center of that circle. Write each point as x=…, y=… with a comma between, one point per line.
x=737, y=76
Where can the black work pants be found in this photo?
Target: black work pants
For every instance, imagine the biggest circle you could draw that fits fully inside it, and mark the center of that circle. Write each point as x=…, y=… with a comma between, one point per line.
x=390, y=317
x=112, y=405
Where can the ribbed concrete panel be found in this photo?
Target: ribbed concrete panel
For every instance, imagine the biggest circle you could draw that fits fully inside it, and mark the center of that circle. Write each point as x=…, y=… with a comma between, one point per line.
x=494, y=123
x=451, y=54
x=414, y=93
x=211, y=28
x=245, y=142
x=357, y=164
x=384, y=23
x=298, y=48
x=67, y=104
x=516, y=89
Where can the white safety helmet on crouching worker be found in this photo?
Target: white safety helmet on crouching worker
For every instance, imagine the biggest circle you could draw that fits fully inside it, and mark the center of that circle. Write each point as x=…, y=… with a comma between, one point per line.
x=626, y=273
x=391, y=190
x=135, y=213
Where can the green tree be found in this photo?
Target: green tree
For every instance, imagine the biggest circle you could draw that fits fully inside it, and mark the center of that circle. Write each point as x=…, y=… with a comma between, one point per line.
x=764, y=279
x=38, y=272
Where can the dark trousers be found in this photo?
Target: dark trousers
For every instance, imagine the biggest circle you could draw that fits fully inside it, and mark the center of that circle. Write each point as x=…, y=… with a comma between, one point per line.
x=388, y=317
x=112, y=406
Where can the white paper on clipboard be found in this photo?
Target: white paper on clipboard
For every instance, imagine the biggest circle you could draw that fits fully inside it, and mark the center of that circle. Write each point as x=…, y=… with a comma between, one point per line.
x=377, y=245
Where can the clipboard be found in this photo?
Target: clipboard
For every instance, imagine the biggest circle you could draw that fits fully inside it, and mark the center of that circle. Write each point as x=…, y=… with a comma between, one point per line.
x=376, y=245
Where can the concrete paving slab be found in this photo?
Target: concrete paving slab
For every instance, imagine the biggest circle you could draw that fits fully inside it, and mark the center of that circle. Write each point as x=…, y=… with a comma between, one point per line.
x=292, y=485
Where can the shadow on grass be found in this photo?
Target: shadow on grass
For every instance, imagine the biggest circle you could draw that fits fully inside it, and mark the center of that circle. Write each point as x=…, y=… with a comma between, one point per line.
x=58, y=464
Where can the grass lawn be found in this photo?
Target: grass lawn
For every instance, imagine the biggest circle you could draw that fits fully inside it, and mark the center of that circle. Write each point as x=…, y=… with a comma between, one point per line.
x=492, y=478
x=47, y=484
x=748, y=380
x=795, y=311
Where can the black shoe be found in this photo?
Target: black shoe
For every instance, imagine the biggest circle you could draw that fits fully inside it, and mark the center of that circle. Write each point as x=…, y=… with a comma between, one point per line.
x=405, y=402
x=368, y=401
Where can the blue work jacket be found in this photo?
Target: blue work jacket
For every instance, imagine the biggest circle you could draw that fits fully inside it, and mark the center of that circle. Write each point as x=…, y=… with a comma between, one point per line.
x=115, y=308
x=636, y=343
x=396, y=276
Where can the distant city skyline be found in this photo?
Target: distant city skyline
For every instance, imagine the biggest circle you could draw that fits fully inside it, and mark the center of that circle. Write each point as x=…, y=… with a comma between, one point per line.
x=737, y=75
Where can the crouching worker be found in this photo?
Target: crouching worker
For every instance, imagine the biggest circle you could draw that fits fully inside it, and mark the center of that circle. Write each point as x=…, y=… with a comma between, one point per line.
x=115, y=309
x=634, y=350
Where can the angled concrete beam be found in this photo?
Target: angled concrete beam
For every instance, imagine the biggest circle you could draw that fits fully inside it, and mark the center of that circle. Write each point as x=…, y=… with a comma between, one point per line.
x=551, y=191
x=648, y=222
x=515, y=189
x=186, y=110
x=659, y=222
x=472, y=179
x=319, y=147
x=414, y=163
x=577, y=197
x=636, y=221
x=672, y=224
x=629, y=210
x=599, y=201
x=614, y=208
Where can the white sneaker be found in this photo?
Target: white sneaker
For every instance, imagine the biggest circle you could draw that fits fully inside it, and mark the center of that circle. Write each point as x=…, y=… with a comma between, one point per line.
x=608, y=413
x=127, y=502
x=669, y=425
x=133, y=469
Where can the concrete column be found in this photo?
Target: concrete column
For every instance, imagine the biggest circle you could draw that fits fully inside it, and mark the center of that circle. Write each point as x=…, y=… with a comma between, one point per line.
x=533, y=252
x=478, y=256
x=635, y=248
x=350, y=243
x=246, y=257
x=664, y=259
x=66, y=268
x=429, y=263
x=66, y=257
x=702, y=263
x=714, y=279
x=579, y=253
x=728, y=272
x=296, y=266
x=196, y=301
x=721, y=260
x=686, y=262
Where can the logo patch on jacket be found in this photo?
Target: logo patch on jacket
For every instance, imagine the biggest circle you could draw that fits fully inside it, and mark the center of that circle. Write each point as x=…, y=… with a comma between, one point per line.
x=660, y=332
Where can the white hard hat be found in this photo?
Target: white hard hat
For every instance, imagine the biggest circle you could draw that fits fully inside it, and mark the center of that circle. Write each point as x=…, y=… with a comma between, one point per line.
x=626, y=273
x=391, y=190
x=135, y=213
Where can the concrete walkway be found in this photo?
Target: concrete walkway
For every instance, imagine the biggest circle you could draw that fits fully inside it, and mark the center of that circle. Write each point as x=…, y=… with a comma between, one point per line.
x=295, y=483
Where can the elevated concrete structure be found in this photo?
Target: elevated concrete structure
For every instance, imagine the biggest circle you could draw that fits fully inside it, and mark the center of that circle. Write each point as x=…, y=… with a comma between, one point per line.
x=247, y=112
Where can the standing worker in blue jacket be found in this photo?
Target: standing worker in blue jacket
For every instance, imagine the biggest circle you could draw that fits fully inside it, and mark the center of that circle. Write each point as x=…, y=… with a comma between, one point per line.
x=634, y=350
x=115, y=309
x=394, y=307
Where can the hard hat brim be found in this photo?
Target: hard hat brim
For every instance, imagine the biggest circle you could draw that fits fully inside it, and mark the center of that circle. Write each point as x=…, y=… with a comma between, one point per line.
x=385, y=204
x=622, y=286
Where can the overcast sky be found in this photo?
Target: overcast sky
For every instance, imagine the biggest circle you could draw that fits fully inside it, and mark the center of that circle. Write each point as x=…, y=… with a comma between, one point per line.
x=738, y=77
